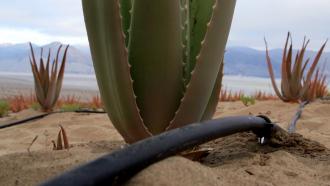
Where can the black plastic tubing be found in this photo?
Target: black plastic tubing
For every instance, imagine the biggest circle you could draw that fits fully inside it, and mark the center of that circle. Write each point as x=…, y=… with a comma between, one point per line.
x=120, y=165
x=22, y=121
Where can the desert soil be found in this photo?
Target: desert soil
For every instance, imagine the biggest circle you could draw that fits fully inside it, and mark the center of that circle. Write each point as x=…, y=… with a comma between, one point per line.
x=235, y=160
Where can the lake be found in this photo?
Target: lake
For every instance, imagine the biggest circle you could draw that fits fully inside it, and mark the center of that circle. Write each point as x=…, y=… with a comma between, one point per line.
x=88, y=82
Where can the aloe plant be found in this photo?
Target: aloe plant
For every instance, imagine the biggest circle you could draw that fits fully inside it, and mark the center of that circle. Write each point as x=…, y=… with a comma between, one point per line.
x=295, y=80
x=317, y=87
x=157, y=61
x=62, y=141
x=321, y=84
x=48, y=77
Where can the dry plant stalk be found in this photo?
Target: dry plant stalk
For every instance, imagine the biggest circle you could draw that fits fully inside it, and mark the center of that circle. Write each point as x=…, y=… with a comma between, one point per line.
x=48, y=78
x=68, y=100
x=96, y=102
x=20, y=102
x=263, y=96
x=196, y=154
x=228, y=96
x=30, y=145
x=294, y=81
x=62, y=141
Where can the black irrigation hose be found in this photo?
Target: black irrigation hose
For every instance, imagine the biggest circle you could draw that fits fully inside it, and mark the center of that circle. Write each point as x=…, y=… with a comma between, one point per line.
x=120, y=165
x=18, y=122
x=90, y=111
x=326, y=98
x=40, y=116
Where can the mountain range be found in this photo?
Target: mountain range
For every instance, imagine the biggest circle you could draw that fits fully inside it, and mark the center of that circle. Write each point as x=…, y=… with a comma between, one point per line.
x=15, y=57
x=242, y=61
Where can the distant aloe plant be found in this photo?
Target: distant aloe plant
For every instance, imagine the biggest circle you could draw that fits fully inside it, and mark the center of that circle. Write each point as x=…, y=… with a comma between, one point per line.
x=322, y=89
x=157, y=61
x=295, y=81
x=317, y=88
x=321, y=85
x=48, y=78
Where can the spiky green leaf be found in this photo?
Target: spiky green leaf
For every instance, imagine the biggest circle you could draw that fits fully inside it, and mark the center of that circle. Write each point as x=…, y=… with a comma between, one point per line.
x=125, y=9
x=214, y=99
x=207, y=66
x=200, y=12
x=110, y=59
x=155, y=53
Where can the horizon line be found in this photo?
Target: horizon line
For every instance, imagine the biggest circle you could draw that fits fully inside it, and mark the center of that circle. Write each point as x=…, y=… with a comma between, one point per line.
x=87, y=45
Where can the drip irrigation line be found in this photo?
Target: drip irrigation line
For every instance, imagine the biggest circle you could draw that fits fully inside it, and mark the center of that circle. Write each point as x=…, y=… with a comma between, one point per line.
x=292, y=126
x=90, y=111
x=326, y=98
x=25, y=120
x=119, y=166
x=40, y=116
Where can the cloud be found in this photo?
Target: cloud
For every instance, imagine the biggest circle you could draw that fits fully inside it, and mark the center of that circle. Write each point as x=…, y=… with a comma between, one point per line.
x=8, y=35
x=256, y=19
x=44, y=20
x=53, y=17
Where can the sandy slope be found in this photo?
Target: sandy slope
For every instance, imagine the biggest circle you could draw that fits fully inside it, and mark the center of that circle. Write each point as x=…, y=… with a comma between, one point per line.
x=236, y=160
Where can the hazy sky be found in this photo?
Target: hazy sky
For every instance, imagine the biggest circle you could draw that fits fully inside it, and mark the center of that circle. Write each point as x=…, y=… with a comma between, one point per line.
x=43, y=21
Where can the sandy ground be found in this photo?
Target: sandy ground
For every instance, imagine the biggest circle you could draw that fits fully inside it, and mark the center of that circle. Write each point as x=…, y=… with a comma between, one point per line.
x=236, y=160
